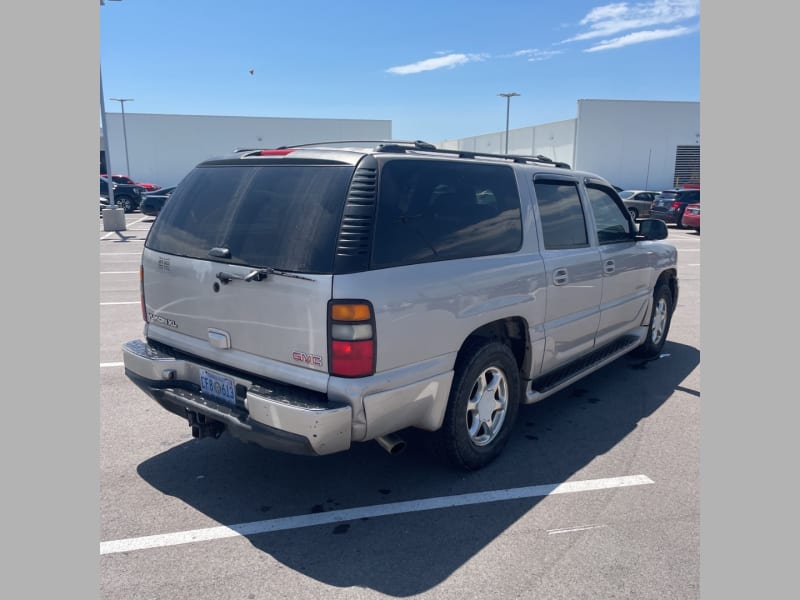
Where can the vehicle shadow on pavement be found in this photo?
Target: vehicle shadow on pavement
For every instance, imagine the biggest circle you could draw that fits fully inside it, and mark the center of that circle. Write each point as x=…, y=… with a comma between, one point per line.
x=411, y=553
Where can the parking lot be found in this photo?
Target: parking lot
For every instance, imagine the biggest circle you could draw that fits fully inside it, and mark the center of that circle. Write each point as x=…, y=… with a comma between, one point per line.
x=597, y=494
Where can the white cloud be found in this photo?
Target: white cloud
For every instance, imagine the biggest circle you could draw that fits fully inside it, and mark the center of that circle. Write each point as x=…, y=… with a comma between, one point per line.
x=610, y=19
x=640, y=37
x=535, y=55
x=431, y=64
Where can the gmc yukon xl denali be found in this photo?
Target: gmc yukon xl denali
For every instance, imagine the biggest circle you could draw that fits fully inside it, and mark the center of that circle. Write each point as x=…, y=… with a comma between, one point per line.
x=307, y=298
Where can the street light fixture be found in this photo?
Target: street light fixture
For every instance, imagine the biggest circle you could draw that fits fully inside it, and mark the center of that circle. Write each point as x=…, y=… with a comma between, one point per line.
x=508, y=97
x=122, y=102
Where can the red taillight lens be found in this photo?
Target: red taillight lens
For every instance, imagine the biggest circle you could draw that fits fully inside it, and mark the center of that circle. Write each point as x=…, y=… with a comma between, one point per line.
x=141, y=292
x=351, y=331
x=676, y=205
x=352, y=359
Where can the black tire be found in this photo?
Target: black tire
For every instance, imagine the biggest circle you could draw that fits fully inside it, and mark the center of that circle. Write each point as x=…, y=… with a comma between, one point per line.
x=660, y=319
x=474, y=432
x=126, y=202
x=679, y=221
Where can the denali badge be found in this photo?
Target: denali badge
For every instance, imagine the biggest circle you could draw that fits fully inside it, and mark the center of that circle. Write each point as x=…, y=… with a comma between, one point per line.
x=155, y=318
x=309, y=359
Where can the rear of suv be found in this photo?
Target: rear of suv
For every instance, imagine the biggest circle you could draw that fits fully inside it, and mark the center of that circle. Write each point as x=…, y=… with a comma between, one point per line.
x=670, y=205
x=310, y=297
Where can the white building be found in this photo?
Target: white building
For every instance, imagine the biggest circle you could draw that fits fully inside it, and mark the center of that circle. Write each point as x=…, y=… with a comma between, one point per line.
x=163, y=148
x=634, y=144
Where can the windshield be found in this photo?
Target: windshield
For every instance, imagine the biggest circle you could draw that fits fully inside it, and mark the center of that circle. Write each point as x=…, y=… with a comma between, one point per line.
x=626, y=194
x=281, y=216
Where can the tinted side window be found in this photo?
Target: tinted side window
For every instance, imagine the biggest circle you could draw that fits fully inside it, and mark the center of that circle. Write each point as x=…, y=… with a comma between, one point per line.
x=433, y=210
x=611, y=221
x=561, y=212
x=286, y=217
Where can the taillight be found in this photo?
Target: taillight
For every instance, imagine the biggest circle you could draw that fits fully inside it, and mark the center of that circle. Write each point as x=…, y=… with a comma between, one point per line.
x=351, y=335
x=676, y=205
x=141, y=292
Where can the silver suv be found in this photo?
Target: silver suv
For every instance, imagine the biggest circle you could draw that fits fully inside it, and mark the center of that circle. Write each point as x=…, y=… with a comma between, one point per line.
x=305, y=298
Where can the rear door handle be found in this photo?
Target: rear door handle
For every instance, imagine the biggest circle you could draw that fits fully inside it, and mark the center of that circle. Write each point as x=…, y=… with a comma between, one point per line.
x=560, y=276
x=609, y=267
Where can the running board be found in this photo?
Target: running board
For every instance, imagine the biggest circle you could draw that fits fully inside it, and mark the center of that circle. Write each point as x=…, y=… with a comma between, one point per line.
x=547, y=385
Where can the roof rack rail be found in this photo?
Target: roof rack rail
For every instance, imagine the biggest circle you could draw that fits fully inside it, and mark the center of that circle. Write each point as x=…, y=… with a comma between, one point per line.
x=421, y=146
x=377, y=143
x=517, y=158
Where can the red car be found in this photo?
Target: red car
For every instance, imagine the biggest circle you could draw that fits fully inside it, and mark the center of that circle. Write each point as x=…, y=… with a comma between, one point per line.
x=125, y=179
x=691, y=216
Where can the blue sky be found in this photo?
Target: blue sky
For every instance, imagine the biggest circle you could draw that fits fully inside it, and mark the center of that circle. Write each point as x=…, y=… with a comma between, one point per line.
x=434, y=68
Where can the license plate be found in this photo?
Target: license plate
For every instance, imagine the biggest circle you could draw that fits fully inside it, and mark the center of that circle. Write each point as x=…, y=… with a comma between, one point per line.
x=218, y=386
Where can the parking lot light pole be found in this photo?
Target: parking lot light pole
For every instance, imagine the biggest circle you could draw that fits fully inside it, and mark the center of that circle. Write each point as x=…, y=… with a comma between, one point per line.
x=508, y=97
x=122, y=102
x=113, y=217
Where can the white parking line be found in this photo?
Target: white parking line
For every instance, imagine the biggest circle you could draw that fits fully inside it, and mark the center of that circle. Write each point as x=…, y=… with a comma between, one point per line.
x=120, y=254
x=111, y=364
x=117, y=303
x=572, y=529
x=117, y=272
x=351, y=514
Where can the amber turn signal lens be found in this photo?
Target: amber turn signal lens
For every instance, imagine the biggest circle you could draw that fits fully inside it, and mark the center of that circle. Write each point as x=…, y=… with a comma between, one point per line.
x=350, y=312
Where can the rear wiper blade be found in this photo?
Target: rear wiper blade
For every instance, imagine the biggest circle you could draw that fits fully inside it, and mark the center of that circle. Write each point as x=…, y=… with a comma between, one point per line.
x=257, y=275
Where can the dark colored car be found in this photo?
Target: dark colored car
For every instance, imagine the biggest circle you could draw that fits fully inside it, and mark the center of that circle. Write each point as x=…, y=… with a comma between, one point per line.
x=153, y=202
x=125, y=195
x=670, y=205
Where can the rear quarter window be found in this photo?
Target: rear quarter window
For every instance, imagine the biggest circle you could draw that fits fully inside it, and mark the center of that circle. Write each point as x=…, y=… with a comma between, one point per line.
x=283, y=216
x=436, y=210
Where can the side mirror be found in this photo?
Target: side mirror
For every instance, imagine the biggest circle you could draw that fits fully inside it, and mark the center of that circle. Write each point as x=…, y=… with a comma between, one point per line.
x=652, y=229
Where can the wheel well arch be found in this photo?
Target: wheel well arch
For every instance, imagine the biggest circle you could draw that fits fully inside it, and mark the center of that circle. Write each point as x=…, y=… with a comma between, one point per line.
x=512, y=331
x=670, y=278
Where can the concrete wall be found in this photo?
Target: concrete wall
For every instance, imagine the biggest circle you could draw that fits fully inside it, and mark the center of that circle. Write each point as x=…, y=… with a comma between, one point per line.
x=632, y=143
x=554, y=140
x=163, y=148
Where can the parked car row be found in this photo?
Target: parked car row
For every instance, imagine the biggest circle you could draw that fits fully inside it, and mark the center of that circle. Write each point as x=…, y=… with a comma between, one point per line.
x=680, y=207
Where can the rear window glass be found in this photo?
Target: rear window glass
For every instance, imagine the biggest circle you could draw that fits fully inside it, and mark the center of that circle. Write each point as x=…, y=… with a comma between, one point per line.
x=283, y=216
x=433, y=210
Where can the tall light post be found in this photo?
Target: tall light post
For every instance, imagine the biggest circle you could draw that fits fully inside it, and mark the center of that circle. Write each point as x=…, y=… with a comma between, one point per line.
x=113, y=218
x=508, y=97
x=122, y=102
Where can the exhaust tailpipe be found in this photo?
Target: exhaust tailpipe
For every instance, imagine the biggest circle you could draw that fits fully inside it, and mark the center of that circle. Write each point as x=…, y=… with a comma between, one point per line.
x=392, y=443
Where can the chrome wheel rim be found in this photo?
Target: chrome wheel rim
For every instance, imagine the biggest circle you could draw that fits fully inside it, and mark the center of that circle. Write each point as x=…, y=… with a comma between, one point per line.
x=487, y=406
x=659, y=321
